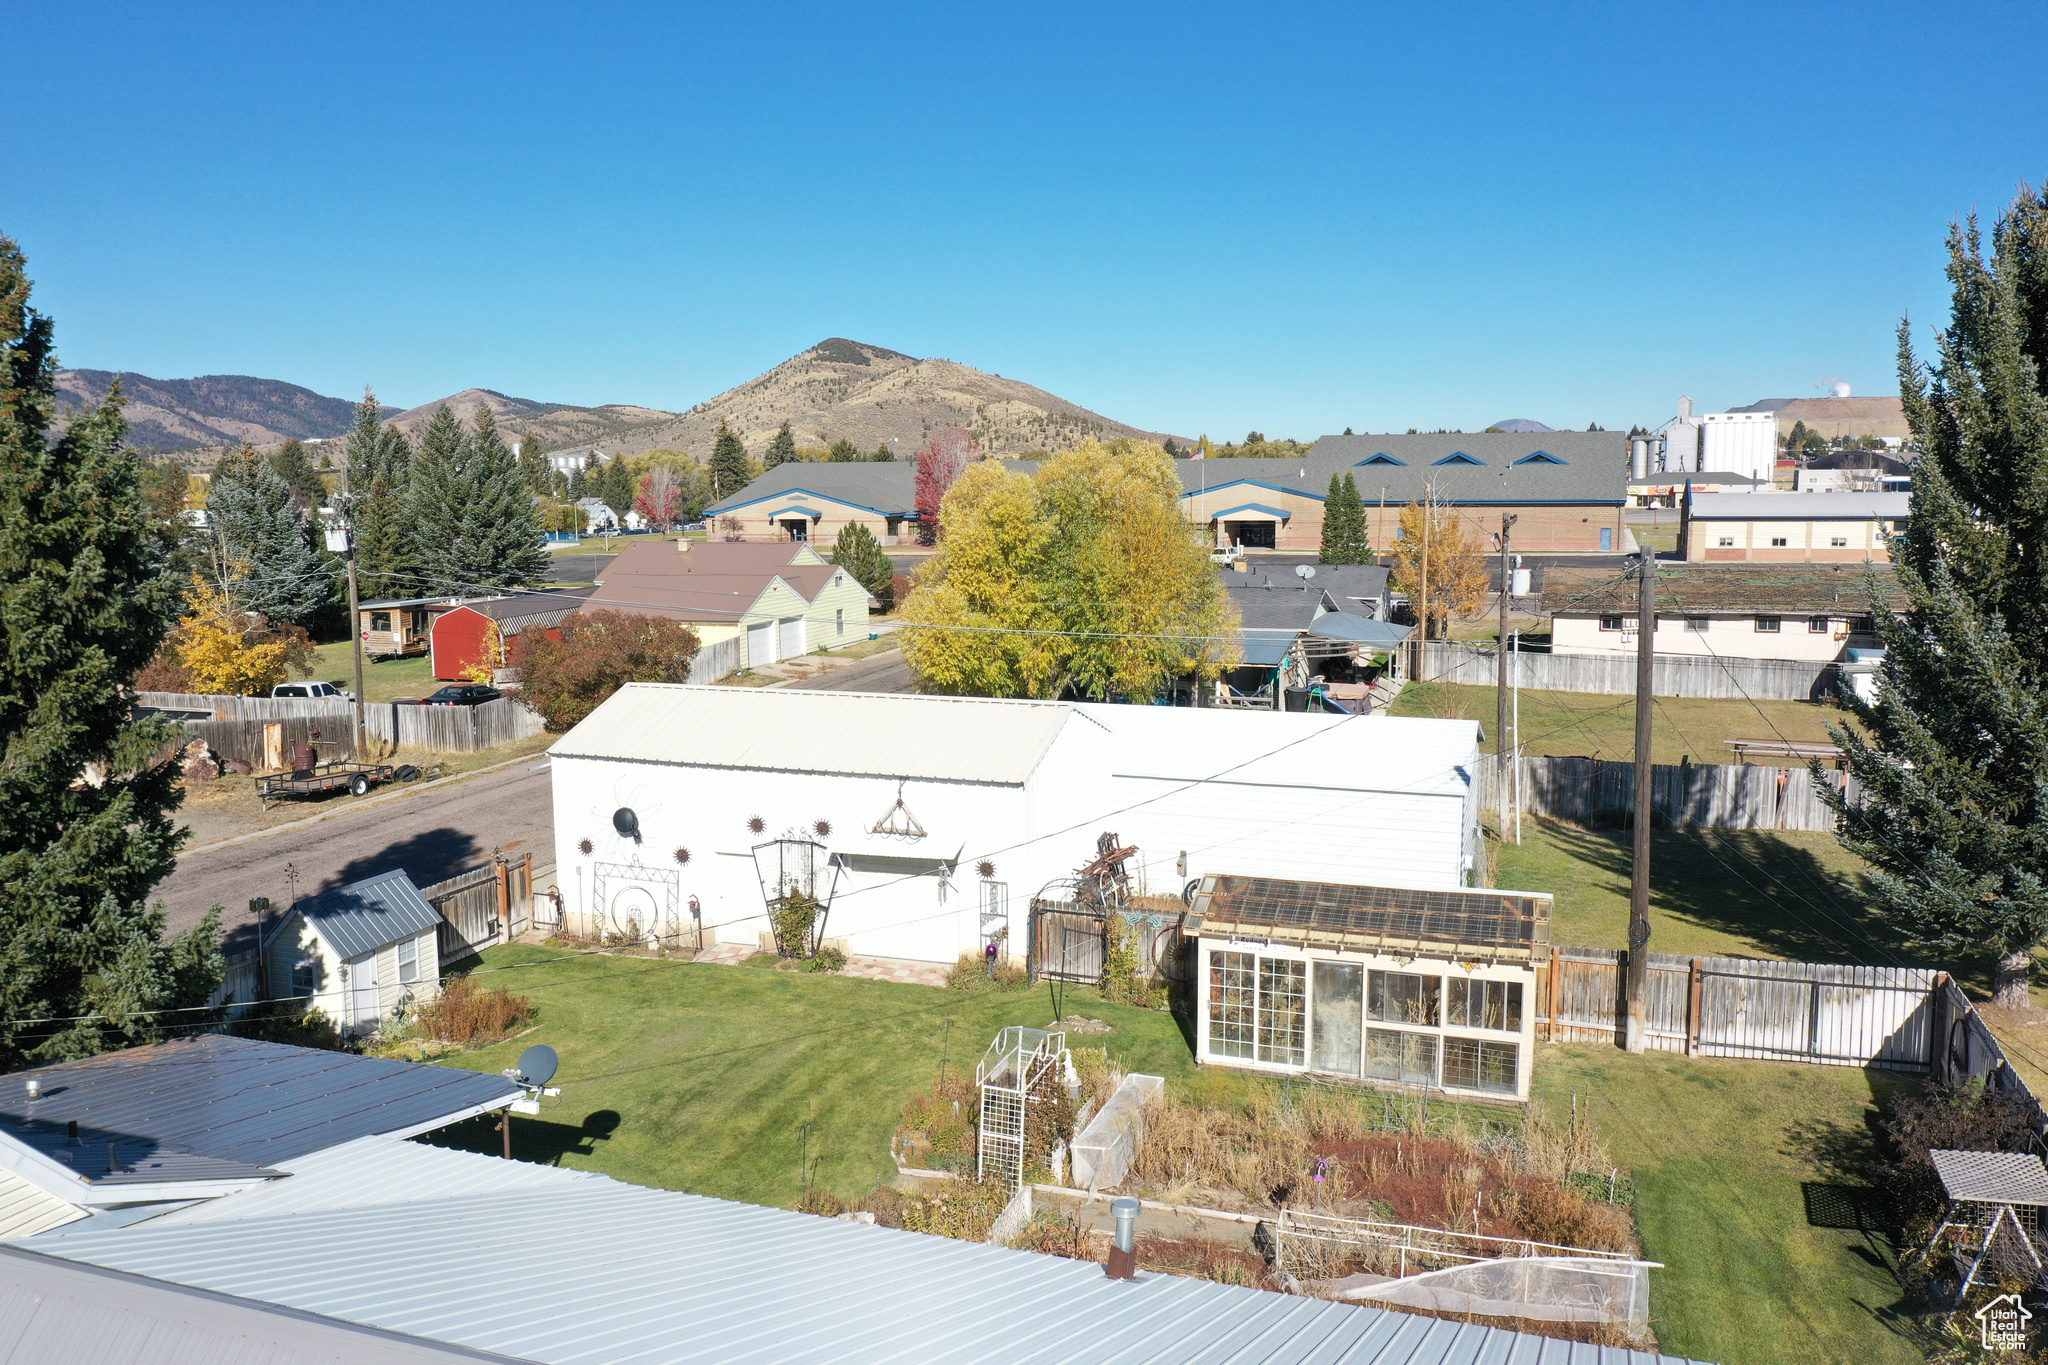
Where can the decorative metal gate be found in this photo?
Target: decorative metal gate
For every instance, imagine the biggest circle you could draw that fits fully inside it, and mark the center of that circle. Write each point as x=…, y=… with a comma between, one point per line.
x=626, y=918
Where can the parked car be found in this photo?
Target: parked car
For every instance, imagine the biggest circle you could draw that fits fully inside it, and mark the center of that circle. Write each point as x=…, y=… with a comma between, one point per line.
x=463, y=694
x=313, y=691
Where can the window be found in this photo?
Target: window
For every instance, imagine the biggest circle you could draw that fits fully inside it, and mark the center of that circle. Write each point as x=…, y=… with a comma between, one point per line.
x=1382, y=458
x=1459, y=457
x=409, y=961
x=839, y=621
x=1540, y=457
x=1863, y=625
x=305, y=976
x=1610, y=623
x=1484, y=1004
x=1231, y=1001
x=1768, y=625
x=1726, y=542
x=1282, y=993
x=1779, y=542
x=1839, y=542
x=1816, y=625
x=1470, y=1064
x=1334, y=1036
x=1401, y=998
x=380, y=620
x=1698, y=624
x=1395, y=1055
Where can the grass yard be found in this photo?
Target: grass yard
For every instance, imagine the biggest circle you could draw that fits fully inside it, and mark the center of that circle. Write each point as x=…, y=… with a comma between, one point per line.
x=1594, y=725
x=704, y=1078
x=392, y=680
x=1721, y=1151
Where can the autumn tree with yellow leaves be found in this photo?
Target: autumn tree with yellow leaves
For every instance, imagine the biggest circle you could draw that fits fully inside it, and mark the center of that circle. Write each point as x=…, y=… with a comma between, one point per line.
x=1083, y=579
x=1435, y=551
x=226, y=649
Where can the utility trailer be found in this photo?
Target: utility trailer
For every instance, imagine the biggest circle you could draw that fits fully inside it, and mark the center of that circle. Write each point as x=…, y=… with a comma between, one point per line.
x=356, y=778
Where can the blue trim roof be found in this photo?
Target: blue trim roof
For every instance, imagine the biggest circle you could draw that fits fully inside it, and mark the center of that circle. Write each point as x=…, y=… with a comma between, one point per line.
x=811, y=512
x=1254, y=483
x=1381, y=458
x=364, y=916
x=1541, y=457
x=1457, y=457
x=809, y=493
x=1252, y=507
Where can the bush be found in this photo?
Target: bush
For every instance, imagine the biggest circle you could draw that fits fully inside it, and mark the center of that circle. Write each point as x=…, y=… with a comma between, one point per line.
x=598, y=653
x=971, y=973
x=467, y=1013
x=1969, y=1117
x=1122, y=980
x=829, y=959
x=282, y=1021
x=966, y=1209
x=792, y=921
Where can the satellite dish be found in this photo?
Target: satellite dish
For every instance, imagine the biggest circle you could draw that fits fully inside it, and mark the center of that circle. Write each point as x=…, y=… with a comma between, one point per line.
x=537, y=1065
x=1304, y=571
x=626, y=823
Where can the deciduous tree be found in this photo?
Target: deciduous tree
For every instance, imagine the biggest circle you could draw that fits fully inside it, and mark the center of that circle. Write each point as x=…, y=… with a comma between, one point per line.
x=658, y=497
x=85, y=598
x=228, y=650
x=1436, y=552
x=939, y=463
x=598, y=653
x=1952, y=804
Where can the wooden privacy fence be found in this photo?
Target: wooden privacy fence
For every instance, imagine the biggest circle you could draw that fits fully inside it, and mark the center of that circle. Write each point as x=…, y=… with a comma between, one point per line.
x=1672, y=675
x=451, y=729
x=486, y=905
x=1888, y=1017
x=719, y=659
x=242, y=727
x=1593, y=791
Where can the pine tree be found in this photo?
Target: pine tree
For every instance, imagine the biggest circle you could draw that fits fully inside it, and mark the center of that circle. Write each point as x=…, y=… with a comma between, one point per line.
x=1953, y=809
x=533, y=464
x=781, y=450
x=730, y=471
x=615, y=483
x=290, y=464
x=860, y=554
x=843, y=451
x=87, y=599
x=475, y=522
x=262, y=543
x=579, y=484
x=1333, y=524
x=1346, y=538
x=379, y=468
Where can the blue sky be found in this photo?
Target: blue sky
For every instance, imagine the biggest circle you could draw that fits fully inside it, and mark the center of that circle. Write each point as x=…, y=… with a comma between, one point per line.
x=1192, y=218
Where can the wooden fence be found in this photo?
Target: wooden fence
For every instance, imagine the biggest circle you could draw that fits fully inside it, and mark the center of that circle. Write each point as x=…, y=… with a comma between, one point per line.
x=262, y=731
x=1592, y=791
x=451, y=729
x=719, y=659
x=486, y=905
x=1887, y=1017
x=1672, y=675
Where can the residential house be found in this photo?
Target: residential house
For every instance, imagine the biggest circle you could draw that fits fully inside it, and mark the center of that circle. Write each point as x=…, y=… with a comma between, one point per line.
x=397, y=628
x=1325, y=630
x=1791, y=528
x=1567, y=488
x=1416, y=989
x=563, y=1268
x=355, y=953
x=598, y=516
x=1814, y=613
x=779, y=600
x=477, y=634
x=929, y=823
x=146, y=1130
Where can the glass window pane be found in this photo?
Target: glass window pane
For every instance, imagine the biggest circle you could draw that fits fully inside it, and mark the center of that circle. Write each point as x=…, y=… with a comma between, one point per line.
x=1418, y=1058
x=1470, y=1064
x=1497, y=1067
x=1513, y=1022
x=1282, y=999
x=1340, y=992
x=1402, y=998
x=1395, y=1055
x=1231, y=1000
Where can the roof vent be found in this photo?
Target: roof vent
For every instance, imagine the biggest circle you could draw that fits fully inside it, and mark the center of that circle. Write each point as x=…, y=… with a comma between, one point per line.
x=1123, y=1256
x=35, y=1088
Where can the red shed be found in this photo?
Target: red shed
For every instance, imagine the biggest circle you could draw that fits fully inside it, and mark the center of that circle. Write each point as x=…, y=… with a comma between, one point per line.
x=459, y=635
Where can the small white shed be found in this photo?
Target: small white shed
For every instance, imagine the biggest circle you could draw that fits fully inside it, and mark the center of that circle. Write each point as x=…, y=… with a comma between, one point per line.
x=356, y=952
x=928, y=823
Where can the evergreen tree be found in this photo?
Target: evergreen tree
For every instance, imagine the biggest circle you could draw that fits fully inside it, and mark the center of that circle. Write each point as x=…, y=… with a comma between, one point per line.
x=614, y=482
x=860, y=554
x=843, y=451
x=579, y=484
x=290, y=464
x=379, y=468
x=86, y=597
x=1953, y=808
x=730, y=471
x=781, y=450
x=475, y=521
x=1346, y=535
x=883, y=455
x=262, y=543
x=533, y=463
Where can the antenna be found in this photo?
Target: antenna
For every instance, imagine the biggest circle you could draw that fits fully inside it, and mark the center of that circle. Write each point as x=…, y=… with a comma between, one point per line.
x=537, y=1065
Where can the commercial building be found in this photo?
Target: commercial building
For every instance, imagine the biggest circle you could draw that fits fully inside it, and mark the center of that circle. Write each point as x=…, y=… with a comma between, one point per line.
x=1790, y=528
x=1815, y=614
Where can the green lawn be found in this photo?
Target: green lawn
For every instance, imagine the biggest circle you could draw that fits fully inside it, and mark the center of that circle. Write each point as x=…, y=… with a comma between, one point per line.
x=1594, y=725
x=392, y=680
x=1720, y=1150
x=702, y=1078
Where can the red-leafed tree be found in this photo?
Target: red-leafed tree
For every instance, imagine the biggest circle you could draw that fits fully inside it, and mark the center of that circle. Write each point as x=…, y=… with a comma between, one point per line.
x=940, y=462
x=599, y=652
x=658, y=497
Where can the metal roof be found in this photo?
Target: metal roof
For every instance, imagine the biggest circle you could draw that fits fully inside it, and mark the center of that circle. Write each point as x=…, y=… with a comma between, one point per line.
x=610, y=1274
x=364, y=916
x=27, y=1209
x=946, y=739
x=1992, y=1177
x=1801, y=506
x=58, y=1312
x=1744, y=589
x=1363, y=918
x=1403, y=755
x=1359, y=630
x=886, y=488
x=237, y=1100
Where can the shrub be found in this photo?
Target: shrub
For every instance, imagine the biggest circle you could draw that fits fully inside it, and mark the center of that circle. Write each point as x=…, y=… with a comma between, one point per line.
x=793, y=920
x=1969, y=1117
x=599, y=652
x=467, y=1013
x=971, y=973
x=828, y=959
x=281, y=1021
x=1122, y=979
x=966, y=1209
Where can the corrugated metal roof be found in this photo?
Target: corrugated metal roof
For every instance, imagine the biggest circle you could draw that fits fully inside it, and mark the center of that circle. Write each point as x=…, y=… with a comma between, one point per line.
x=1359, y=630
x=364, y=916
x=1406, y=754
x=608, y=1274
x=944, y=739
x=240, y=1100
x=377, y=1170
x=57, y=1312
x=27, y=1209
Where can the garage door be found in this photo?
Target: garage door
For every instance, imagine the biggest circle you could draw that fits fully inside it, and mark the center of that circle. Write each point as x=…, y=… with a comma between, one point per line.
x=792, y=636
x=761, y=644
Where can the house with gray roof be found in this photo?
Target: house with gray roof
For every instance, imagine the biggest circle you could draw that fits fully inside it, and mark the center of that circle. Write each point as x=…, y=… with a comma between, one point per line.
x=357, y=952
x=1567, y=490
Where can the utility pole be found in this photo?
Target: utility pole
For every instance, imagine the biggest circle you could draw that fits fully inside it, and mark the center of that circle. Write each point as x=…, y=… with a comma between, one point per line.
x=355, y=631
x=1639, y=880
x=1422, y=646
x=1502, y=755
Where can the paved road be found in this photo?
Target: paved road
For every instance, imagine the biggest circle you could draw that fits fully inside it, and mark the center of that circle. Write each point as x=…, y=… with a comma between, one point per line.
x=879, y=673
x=433, y=834
x=578, y=568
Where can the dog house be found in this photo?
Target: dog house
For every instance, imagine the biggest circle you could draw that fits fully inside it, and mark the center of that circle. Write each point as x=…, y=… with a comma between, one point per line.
x=1396, y=987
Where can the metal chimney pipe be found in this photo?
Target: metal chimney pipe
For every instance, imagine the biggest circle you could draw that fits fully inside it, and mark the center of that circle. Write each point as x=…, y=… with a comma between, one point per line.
x=71, y=1134
x=1123, y=1256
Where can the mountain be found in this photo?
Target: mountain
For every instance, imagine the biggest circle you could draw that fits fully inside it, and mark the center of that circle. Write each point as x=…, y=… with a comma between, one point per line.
x=1518, y=424
x=213, y=410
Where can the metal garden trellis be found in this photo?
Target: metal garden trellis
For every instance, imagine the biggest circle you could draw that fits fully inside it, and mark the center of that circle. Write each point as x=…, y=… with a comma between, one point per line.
x=793, y=865
x=1023, y=1069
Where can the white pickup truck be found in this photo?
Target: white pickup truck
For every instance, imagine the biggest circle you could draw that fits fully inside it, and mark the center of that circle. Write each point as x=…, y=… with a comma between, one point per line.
x=312, y=691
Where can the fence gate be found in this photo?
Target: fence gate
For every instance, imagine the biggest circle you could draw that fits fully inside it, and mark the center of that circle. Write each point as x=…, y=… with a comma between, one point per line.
x=469, y=906
x=1791, y=1011
x=1067, y=942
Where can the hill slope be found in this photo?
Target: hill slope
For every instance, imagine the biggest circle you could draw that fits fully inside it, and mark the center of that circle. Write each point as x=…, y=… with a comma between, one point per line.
x=212, y=410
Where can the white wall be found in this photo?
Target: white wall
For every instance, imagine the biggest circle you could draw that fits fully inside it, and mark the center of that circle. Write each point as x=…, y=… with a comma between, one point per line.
x=1726, y=637
x=1740, y=443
